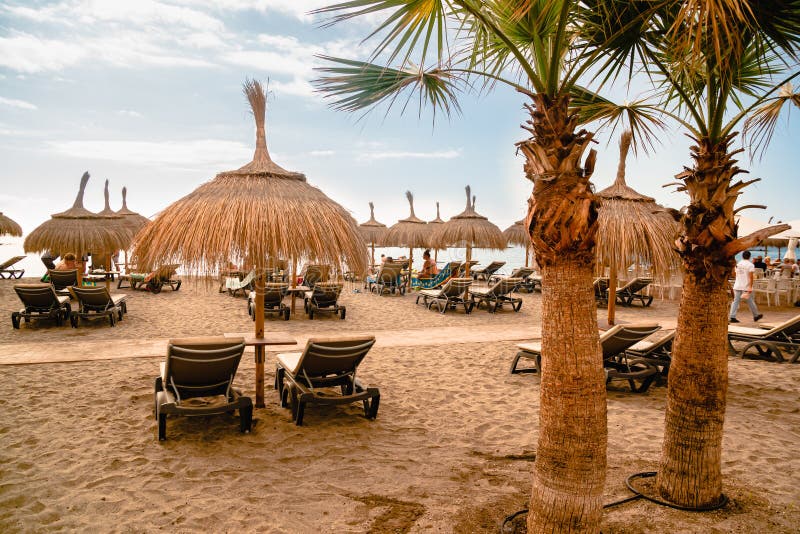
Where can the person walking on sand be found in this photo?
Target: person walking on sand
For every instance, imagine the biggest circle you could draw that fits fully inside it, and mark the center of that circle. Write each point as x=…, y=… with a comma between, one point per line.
x=743, y=288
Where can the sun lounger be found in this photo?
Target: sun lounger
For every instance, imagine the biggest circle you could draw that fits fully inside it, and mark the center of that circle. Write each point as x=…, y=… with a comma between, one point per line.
x=618, y=365
x=449, y=296
x=306, y=377
x=63, y=280
x=273, y=300
x=196, y=370
x=7, y=270
x=315, y=274
x=462, y=270
x=658, y=351
x=94, y=302
x=166, y=275
x=40, y=301
x=601, y=291
x=483, y=273
x=445, y=274
x=324, y=298
x=234, y=285
x=633, y=291
x=498, y=294
x=779, y=343
x=519, y=272
x=388, y=279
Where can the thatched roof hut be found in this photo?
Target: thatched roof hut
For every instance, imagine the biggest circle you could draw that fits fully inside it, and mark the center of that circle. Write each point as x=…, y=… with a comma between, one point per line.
x=258, y=211
x=9, y=227
x=433, y=225
x=471, y=229
x=132, y=219
x=77, y=230
x=633, y=229
x=438, y=219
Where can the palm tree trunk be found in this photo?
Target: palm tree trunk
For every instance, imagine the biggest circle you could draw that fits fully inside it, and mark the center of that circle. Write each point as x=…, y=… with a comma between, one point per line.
x=570, y=469
x=569, y=472
x=690, y=471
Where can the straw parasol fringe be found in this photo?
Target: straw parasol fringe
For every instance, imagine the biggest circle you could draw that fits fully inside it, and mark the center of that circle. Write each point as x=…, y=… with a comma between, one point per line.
x=9, y=227
x=76, y=230
x=633, y=229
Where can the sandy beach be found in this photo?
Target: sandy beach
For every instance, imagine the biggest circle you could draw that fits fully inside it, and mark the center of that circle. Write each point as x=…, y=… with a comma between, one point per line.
x=450, y=451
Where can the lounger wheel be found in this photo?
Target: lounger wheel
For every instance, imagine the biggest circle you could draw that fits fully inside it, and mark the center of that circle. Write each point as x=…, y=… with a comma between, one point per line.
x=162, y=426
x=154, y=287
x=73, y=320
x=246, y=416
x=15, y=320
x=765, y=349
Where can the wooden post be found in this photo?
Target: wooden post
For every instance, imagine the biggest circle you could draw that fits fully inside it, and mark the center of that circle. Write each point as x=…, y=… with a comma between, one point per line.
x=108, y=276
x=373, y=256
x=259, y=349
x=612, y=294
x=466, y=268
x=293, y=282
x=410, y=267
x=527, y=253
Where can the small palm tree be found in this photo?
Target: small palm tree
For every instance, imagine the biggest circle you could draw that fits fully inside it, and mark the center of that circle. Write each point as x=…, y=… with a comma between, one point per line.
x=537, y=48
x=719, y=65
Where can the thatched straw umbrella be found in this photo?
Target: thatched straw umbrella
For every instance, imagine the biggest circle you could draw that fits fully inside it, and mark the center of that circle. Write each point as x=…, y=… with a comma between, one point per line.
x=117, y=223
x=9, y=227
x=632, y=228
x=411, y=232
x=256, y=212
x=432, y=225
x=517, y=235
x=471, y=229
x=77, y=230
x=133, y=220
x=372, y=231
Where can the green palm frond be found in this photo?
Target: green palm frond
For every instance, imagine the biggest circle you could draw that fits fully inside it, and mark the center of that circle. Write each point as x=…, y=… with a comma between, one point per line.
x=359, y=85
x=643, y=119
x=760, y=125
x=412, y=27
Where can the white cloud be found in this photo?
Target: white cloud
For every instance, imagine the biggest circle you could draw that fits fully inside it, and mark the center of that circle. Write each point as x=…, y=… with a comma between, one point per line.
x=27, y=53
x=207, y=153
x=322, y=153
x=438, y=154
x=129, y=113
x=14, y=103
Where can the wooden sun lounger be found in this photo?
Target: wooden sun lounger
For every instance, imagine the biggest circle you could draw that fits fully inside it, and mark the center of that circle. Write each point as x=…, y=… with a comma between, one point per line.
x=618, y=365
x=40, y=301
x=779, y=343
x=324, y=298
x=8, y=272
x=449, y=296
x=273, y=300
x=495, y=296
x=94, y=302
x=483, y=273
x=325, y=363
x=200, y=367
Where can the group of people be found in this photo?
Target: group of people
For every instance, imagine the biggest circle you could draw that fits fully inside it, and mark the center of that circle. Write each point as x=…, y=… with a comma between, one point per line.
x=785, y=269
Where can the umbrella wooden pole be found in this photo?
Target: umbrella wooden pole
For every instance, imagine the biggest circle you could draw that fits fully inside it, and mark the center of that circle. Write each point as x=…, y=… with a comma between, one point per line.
x=108, y=276
x=410, y=267
x=260, y=356
x=293, y=282
x=527, y=253
x=372, y=265
x=612, y=295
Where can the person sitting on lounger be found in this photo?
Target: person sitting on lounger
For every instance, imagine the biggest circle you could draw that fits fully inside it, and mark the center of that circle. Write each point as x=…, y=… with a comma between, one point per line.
x=67, y=263
x=429, y=268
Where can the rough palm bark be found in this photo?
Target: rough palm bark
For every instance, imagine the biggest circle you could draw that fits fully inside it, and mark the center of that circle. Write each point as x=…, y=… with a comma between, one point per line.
x=690, y=472
x=569, y=472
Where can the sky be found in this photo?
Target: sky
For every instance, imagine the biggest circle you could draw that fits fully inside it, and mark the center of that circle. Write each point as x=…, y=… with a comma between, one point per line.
x=147, y=94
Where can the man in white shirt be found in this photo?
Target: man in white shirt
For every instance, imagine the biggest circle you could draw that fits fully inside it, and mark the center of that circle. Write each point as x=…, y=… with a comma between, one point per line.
x=743, y=288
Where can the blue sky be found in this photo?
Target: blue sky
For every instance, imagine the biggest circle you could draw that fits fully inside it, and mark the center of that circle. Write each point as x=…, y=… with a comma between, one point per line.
x=147, y=94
